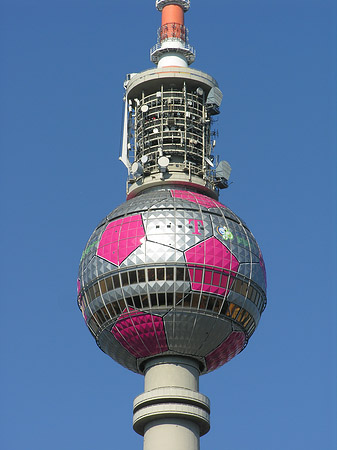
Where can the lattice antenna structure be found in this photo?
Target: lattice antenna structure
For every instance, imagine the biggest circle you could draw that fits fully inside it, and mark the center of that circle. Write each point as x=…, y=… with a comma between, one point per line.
x=172, y=283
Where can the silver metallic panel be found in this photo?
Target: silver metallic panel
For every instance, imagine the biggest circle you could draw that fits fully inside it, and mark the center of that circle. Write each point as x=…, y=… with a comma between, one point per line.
x=116, y=351
x=255, y=272
x=153, y=253
x=194, y=333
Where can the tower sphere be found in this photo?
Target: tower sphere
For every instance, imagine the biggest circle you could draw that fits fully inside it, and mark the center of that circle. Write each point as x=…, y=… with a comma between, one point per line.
x=172, y=272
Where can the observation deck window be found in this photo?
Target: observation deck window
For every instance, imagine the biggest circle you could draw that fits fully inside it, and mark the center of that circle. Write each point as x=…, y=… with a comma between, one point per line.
x=197, y=300
x=125, y=279
x=103, y=286
x=109, y=284
x=116, y=281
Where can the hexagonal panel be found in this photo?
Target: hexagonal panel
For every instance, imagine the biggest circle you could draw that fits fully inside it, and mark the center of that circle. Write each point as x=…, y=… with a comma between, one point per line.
x=192, y=333
x=140, y=333
x=120, y=238
x=203, y=259
x=200, y=199
x=226, y=351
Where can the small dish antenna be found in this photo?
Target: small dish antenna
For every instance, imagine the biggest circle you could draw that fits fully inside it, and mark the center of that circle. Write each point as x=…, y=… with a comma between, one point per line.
x=163, y=162
x=209, y=162
x=136, y=169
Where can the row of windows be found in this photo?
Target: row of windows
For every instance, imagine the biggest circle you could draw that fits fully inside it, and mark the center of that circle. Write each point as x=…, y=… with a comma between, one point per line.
x=179, y=300
x=248, y=291
x=134, y=277
x=172, y=274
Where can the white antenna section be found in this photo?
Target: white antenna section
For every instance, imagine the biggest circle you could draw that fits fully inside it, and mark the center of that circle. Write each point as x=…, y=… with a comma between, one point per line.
x=124, y=158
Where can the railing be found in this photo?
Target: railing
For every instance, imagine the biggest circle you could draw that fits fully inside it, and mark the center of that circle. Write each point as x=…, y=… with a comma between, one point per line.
x=186, y=49
x=183, y=3
x=172, y=30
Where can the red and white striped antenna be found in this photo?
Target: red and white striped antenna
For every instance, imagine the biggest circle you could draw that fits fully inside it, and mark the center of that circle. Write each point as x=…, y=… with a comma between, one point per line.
x=172, y=48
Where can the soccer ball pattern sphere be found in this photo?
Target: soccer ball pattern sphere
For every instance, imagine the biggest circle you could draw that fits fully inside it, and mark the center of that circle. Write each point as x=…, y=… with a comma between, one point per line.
x=172, y=272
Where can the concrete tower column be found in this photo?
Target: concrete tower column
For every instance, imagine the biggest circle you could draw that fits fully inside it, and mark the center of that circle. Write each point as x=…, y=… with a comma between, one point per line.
x=171, y=414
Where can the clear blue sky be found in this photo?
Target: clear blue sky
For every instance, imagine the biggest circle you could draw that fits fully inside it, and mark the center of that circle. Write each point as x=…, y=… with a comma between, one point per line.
x=61, y=87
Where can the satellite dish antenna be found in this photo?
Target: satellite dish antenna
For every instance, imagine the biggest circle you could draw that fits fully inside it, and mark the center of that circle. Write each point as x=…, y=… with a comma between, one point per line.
x=163, y=162
x=144, y=159
x=144, y=108
x=136, y=169
x=209, y=162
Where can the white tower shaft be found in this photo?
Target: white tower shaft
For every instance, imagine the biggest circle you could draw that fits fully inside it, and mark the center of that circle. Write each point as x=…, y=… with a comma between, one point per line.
x=171, y=414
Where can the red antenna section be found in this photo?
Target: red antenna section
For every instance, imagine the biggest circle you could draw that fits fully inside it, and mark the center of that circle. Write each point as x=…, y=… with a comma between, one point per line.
x=172, y=48
x=171, y=14
x=172, y=23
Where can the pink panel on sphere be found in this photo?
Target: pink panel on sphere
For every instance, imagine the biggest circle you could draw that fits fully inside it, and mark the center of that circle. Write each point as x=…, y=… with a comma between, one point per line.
x=211, y=255
x=226, y=351
x=140, y=334
x=120, y=238
x=200, y=199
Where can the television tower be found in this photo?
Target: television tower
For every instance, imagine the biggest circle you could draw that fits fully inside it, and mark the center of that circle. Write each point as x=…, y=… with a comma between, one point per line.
x=172, y=283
